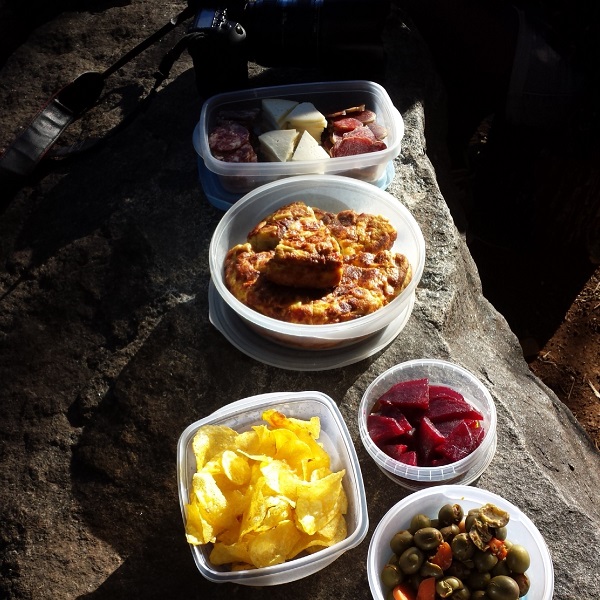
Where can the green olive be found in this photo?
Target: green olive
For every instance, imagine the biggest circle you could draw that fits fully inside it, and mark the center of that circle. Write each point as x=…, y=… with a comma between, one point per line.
x=428, y=538
x=517, y=559
x=451, y=514
x=523, y=583
x=478, y=581
x=470, y=518
x=501, y=533
x=401, y=541
x=447, y=586
x=501, y=568
x=418, y=522
x=410, y=560
x=428, y=569
x=478, y=595
x=391, y=576
x=462, y=546
x=449, y=531
x=502, y=587
x=484, y=561
x=463, y=594
x=459, y=569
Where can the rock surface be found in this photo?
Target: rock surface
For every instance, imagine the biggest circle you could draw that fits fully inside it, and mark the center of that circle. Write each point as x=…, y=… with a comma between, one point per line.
x=107, y=352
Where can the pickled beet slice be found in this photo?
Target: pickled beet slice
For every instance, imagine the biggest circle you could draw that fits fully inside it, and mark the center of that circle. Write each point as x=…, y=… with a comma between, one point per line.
x=409, y=394
x=408, y=458
x=446, y=427
x=428, y=438
x=382, y=428
x=437, y=391
x=459, y=443
x=396, y=412
x=447, y=408
x=395, y=451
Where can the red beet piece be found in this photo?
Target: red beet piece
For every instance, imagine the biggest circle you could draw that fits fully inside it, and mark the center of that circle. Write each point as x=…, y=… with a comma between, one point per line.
x=395, y=450
x=446, y=427
x=408, y=394
x=382, y=428
x=436, y=391
x=408, y=458
x=448, y=407
x=460, y=443
x=428, y=439
x=388, y=409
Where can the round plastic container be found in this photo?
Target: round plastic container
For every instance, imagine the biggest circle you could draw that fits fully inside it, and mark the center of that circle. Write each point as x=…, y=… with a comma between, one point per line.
x=335, y=438
x=521, y=530
x=332, y=193
x=439, y=372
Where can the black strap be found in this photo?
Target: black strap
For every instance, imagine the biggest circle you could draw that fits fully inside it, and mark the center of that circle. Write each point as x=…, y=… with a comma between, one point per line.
x=20, y=159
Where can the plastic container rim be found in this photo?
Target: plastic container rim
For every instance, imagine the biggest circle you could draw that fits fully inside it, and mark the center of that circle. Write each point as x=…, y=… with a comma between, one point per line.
x=355, y=479
x=424, y=474
x=300, y=329
x=458, y=493
x=271, y=169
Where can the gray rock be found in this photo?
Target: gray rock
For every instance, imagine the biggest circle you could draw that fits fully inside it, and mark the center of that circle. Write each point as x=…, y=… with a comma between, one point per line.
x=107, y=353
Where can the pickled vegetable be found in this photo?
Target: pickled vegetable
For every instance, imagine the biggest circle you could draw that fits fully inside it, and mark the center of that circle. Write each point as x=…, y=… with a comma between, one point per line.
x=457, y=556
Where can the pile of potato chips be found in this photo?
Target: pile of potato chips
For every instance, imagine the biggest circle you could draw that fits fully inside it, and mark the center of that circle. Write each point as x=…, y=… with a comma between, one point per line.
x=265, y=495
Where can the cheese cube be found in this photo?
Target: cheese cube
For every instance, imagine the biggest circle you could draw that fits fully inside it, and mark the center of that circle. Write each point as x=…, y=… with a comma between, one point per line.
x=309, y=149
x=306, y=117
x=305, y=114
x=278, y=145
x=275, y=110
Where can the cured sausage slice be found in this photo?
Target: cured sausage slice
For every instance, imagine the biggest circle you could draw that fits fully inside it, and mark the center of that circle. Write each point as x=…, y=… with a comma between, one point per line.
x=343, y=124
x=349, y=146
x=244, y=154
x=228, y=136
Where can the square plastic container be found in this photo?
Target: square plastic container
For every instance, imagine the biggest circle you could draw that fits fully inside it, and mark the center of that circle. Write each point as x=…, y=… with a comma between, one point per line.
x=521, y=530
x=232, y=180
x=439, y=372
x=336, y=440
x=331, y=193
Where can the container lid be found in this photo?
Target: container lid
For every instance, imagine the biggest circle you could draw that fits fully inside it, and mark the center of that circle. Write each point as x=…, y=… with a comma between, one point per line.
x=222, y=199
x=224, y=318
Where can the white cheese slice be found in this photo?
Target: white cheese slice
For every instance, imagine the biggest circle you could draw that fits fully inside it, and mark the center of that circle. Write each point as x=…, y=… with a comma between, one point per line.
x=305, y=115
x=275, y=110
x=278, y=145
x=309, y=149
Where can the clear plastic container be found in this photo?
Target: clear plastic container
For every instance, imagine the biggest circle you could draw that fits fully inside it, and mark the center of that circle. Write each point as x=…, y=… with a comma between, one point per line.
x=332, y=193
x=439, y=372
x=336, y=440
x=521, y=530
x=240, y=178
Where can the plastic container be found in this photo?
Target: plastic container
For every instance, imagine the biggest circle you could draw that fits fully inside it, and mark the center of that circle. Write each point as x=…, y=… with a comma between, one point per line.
x=239, y=178
x=328, y=192
x=520, y=528
x=336, y=440
x=439, y=372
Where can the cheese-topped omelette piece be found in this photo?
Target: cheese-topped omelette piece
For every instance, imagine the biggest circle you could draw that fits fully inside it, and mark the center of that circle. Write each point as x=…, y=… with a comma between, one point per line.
x=286, y=268
x=305, y=254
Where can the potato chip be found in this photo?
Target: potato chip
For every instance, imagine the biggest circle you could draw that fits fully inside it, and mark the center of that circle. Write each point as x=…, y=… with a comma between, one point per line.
x=223, y=554
x=271, y=547
x=318, y=502
x=265, y=495
x=209, y=441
